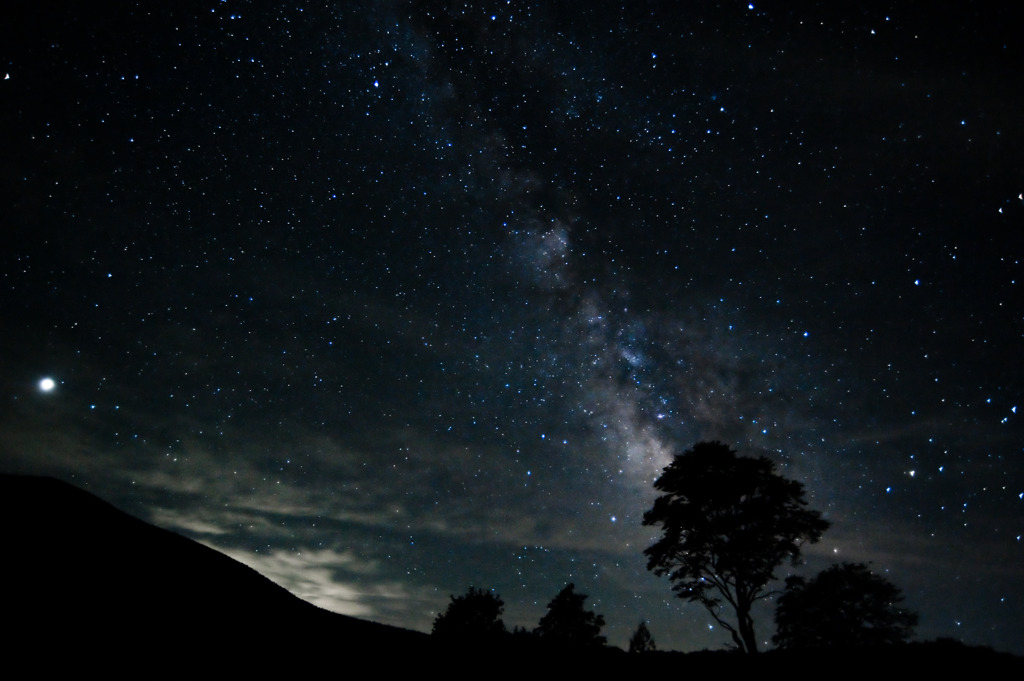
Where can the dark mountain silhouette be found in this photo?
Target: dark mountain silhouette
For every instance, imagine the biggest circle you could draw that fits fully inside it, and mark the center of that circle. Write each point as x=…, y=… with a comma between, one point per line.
x=81, y=578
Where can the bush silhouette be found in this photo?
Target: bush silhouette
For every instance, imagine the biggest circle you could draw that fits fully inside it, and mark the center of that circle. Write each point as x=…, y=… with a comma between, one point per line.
x=845, y=605
x=567, y=623
x=475, y=615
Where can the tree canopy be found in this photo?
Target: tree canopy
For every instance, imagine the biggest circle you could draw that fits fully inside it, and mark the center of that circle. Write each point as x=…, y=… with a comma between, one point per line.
x=727, y=523
x=477, y=614
x=845, y=605
x=567, y=623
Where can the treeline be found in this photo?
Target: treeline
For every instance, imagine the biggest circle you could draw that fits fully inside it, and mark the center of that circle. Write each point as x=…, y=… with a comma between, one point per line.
x=728, y=522
x=476, y=616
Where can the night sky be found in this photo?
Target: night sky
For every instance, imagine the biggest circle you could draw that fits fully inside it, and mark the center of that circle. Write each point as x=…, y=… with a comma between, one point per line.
x=386, y=299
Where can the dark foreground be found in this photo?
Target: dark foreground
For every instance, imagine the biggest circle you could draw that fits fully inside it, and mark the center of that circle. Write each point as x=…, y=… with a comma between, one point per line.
x=87, y=587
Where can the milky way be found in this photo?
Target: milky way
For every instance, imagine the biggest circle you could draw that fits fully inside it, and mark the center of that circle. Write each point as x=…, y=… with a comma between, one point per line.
x=388, y=300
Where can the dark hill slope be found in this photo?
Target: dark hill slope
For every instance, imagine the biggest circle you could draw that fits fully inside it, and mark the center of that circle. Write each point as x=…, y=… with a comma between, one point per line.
x=80, y=576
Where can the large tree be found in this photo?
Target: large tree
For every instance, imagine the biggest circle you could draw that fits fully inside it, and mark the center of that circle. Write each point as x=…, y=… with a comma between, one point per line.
x=845, y=605
x=727, y=523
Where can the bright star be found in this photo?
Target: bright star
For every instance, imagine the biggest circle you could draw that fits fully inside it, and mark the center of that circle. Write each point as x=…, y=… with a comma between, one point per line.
x=47, y=384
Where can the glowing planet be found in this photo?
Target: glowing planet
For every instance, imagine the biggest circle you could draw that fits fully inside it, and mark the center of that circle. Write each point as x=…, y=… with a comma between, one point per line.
x=47, y=384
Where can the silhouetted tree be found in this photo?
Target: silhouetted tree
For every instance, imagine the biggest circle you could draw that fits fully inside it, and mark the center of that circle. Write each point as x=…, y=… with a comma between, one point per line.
x=641, y=641
x=727, y=523
x=477, y=614
x=566, y=622
x=845, y=605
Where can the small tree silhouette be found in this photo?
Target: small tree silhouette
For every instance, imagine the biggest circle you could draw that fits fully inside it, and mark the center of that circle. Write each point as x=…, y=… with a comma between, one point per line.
x=475, y=615
x=845, y=605
x=566, y=621
x=641, y=641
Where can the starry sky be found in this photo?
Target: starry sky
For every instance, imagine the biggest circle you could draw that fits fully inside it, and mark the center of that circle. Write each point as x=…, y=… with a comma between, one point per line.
x=389, y=298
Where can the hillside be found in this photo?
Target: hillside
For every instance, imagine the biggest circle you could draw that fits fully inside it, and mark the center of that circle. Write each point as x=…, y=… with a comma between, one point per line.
x=85, y=579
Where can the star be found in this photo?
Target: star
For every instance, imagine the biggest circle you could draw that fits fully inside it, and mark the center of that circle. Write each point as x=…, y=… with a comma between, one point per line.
x=499, y=247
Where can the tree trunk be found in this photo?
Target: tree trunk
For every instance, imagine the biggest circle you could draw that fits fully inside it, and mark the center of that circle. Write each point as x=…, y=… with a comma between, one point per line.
x=746, y=627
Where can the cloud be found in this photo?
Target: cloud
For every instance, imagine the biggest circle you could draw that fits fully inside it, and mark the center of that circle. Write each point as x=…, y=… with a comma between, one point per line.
x=315, y=576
